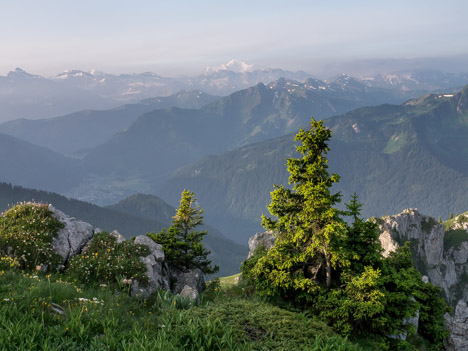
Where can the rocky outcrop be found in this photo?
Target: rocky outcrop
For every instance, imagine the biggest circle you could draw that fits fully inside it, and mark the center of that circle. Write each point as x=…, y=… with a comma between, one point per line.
x=458, y=324
x=441, y=255
x=70, y=239
x=427, y=244
x=263, y=239
x=75, y=236
x=155, y=270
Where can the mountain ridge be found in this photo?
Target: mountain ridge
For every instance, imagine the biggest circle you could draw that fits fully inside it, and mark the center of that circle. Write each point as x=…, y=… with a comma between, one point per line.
x=75, y=90
x=383, y=153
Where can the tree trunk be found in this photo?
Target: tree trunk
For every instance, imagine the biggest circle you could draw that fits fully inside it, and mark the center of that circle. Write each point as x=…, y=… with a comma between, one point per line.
x=327, y=268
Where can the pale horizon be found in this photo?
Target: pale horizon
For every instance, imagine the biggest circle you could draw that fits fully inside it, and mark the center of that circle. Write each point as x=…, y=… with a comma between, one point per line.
x=181, y=38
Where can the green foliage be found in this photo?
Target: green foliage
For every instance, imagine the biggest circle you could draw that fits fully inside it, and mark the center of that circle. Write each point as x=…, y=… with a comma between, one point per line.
x=355, y=303
x=454, y=238
x=96, y=318
x=248, y=265
x=362, y=243
x=26, y=233
x=182, y=245
x=136, y=215
x=7, y=262
x=378, y=302
x=365, y=293
x=308, y=227
x=427, y=226
x=431, y=315
x=109, y=262
x=263, y=326
x=406, y=294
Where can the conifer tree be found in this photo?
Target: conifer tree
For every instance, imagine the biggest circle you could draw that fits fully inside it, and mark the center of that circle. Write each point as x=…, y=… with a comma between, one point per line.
x=362, y=240
x=182, y=244
x=307, y=224
x=336, y=270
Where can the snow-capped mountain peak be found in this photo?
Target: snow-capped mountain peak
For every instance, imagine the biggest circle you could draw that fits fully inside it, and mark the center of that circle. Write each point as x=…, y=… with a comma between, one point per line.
x=19, y=73
x=234, y=65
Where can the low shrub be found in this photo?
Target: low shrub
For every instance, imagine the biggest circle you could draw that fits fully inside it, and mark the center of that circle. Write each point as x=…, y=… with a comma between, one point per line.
x=7, y=262
x=26, y=233
x=104, y=261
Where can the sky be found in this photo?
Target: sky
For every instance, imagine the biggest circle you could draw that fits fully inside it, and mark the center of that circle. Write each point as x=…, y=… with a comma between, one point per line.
x=182, y=37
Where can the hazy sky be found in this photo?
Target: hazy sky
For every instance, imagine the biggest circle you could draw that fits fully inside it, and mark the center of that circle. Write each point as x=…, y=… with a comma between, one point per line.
x=182, y=37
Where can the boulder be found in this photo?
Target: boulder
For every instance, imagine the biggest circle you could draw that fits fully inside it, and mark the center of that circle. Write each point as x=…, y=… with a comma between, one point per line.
x=70, y=239
x=155, y=269
x=119, y=238
x=264, y=239
x=190, y=284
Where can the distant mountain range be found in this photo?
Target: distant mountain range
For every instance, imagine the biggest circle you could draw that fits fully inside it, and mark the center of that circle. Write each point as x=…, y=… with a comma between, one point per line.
x=129, y=149
x=22, y=163
x=394, y=156
x=409, y=155
x=25, y=95
x=79, y=132
x=159, y=142
x=136, y=215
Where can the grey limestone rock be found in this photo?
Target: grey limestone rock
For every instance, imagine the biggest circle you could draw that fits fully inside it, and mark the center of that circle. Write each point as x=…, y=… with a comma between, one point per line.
x=458, y=324
x=154, y=263
x=119, y=238
x=190, y=284
x=265, y=239
x=443, y=266
x=73, y=237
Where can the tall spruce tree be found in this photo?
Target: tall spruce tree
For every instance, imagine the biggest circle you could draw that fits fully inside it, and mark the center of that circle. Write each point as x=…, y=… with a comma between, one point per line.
x=307, y=224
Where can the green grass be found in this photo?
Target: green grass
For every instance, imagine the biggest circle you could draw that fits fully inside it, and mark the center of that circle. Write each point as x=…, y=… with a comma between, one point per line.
x=454, y=238
x=461, y=218
x=228, y=282
x=50, y=312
